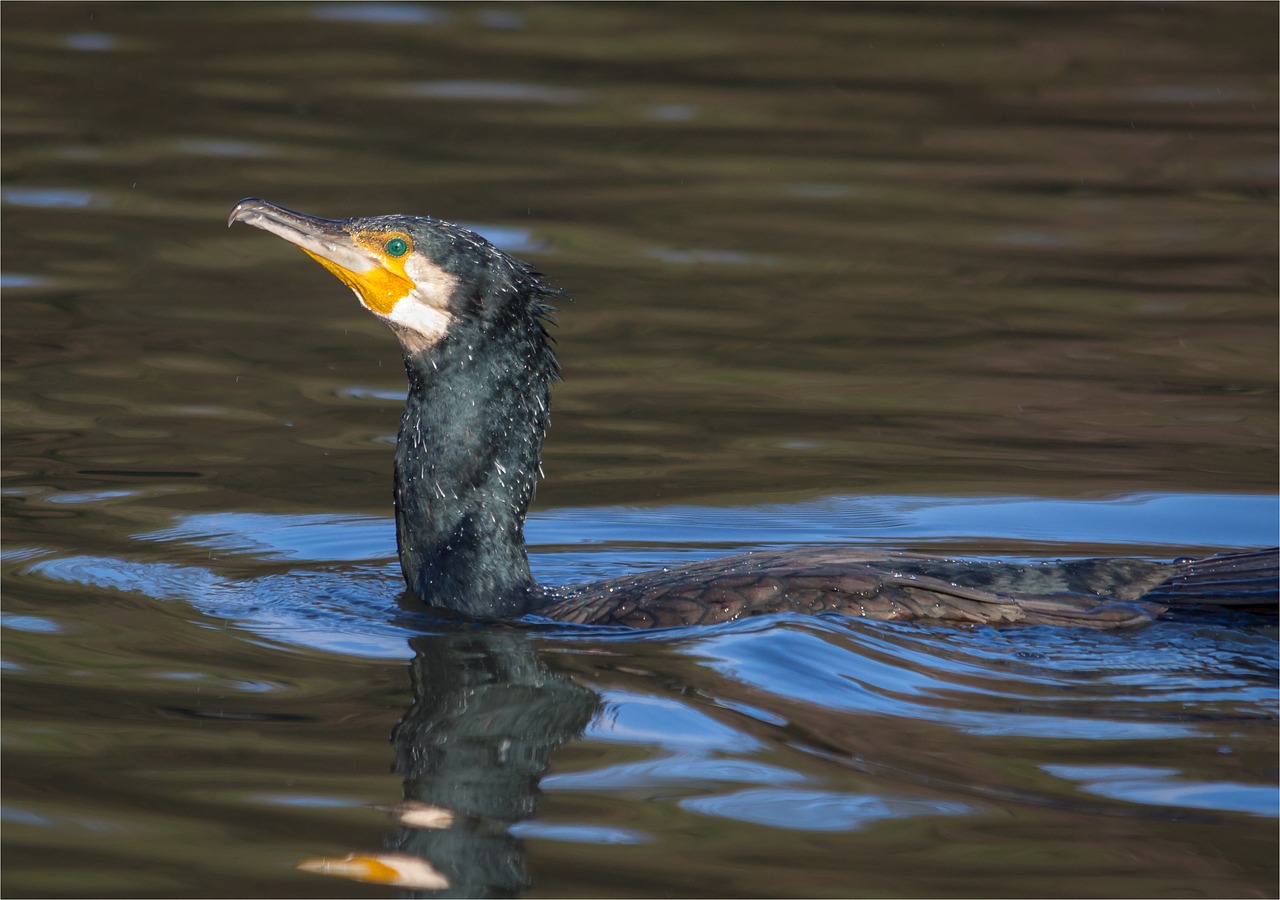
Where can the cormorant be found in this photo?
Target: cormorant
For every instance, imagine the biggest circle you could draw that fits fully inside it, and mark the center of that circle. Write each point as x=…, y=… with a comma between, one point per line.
x=471, y=321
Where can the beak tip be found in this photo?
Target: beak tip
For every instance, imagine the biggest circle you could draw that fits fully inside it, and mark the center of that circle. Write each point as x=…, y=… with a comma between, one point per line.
x=241, y=210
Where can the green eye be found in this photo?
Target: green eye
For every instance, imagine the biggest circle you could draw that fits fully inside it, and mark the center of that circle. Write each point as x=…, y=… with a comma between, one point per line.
x=397, y=247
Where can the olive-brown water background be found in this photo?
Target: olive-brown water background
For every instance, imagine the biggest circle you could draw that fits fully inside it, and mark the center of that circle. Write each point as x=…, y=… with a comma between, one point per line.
x=998, y=280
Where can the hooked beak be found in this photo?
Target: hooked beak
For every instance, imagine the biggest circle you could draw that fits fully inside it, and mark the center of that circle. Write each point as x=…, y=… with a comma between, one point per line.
x=327, y=239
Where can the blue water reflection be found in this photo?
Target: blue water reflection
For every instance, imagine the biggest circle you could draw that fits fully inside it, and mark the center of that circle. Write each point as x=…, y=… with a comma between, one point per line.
x=380, y=13
x=816, y=810
x=1169, y=787
x=1178, y=521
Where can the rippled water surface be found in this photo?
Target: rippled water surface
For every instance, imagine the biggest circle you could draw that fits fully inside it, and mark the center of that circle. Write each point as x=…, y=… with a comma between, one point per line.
x=986, y=280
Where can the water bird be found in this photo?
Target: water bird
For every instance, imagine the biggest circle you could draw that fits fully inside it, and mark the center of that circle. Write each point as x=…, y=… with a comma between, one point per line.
x=471, y=321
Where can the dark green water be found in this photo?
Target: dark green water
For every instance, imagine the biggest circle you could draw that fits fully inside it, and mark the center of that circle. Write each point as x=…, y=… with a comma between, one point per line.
x=997, y=280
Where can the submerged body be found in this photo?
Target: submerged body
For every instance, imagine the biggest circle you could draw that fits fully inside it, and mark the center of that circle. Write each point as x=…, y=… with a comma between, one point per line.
x=1097, y=593
x=471, y=323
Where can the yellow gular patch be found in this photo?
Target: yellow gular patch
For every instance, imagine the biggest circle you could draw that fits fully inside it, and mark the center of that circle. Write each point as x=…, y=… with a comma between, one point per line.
x=384, y=283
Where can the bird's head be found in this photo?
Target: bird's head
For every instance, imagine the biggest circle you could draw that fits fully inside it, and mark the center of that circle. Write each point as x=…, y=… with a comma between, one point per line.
x=423, y=277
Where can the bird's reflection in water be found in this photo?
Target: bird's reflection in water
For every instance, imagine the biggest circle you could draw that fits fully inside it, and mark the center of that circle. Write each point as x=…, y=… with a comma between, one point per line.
x=487, y=714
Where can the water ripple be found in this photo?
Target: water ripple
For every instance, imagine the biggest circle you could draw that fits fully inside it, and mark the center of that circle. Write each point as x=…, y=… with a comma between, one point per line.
x=816, y=810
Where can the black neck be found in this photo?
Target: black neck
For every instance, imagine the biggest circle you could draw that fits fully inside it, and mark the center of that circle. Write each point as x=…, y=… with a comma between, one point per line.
x=467, y=461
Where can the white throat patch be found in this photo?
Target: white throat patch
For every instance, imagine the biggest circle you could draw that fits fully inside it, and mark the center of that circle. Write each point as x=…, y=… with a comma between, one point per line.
x=421, y=318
